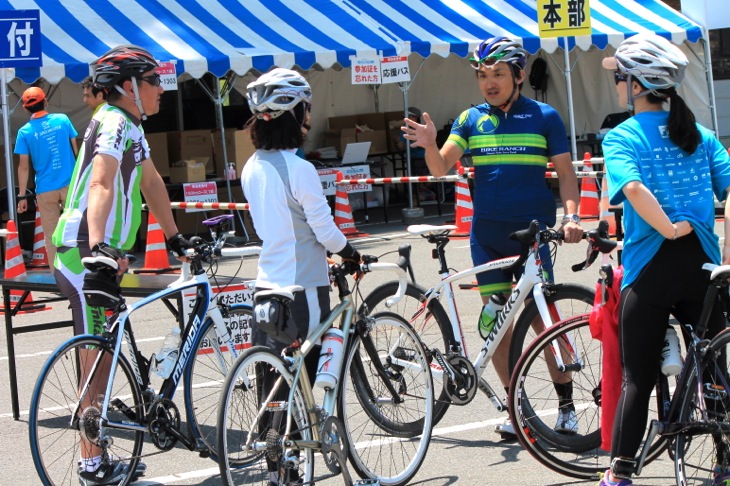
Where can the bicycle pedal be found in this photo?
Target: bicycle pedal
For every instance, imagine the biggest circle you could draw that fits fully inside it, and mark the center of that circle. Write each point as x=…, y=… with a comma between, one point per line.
x=278, y=406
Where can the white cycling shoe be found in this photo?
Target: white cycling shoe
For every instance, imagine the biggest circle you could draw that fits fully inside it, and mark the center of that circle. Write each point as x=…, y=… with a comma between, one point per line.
x=567, y=422
x=506, y=430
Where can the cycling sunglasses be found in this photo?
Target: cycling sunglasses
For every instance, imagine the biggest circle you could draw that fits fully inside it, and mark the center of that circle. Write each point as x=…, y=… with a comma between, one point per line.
x=618, y=77
x=153, y=79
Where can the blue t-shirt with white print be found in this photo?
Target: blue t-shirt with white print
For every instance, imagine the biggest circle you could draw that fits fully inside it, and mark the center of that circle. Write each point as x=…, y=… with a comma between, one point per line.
x=639, y=149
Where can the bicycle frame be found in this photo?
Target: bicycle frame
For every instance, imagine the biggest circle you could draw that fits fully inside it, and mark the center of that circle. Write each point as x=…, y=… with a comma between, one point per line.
x=205, y=306
x=345, y=311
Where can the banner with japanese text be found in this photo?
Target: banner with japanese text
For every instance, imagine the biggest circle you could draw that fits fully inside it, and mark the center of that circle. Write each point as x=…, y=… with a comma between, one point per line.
x=563, y=18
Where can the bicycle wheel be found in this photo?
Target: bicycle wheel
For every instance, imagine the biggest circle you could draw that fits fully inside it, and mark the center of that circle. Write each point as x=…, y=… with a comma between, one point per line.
x=564, y=301
x=205, y=374
x=434, y=329
x=703, y=447
x=56, y=420
x=380, y=430
x=534, y=402
x=248, y=384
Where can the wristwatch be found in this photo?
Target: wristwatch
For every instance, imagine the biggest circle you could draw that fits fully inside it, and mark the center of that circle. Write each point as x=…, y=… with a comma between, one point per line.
x=571, y=218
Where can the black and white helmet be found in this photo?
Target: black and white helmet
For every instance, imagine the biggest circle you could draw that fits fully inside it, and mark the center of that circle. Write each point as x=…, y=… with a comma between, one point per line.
x=653, y=60
x=277, y=91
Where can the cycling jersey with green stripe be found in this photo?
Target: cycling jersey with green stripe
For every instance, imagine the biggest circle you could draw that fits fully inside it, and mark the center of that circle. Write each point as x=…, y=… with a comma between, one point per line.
x=510, y=152
x=114, y=132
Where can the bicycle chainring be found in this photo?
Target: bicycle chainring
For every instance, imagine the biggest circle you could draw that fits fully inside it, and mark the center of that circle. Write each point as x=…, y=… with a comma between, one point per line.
x=164, y=417
x=89, y=424
x=334, y=444
x=462, y=390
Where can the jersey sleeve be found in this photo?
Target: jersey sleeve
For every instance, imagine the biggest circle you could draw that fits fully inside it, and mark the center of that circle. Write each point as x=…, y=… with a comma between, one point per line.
x=556, y=136
x=719, y=163
x=21, y=147
x=621, y=164
x=307, y=189
x=110, y=138
x=460, y=131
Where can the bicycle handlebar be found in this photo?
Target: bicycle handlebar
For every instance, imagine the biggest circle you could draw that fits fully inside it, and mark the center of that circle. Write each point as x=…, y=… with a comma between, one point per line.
x=395, y=268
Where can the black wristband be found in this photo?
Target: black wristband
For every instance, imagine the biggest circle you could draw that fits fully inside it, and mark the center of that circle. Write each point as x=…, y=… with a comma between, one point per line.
x=348, y=252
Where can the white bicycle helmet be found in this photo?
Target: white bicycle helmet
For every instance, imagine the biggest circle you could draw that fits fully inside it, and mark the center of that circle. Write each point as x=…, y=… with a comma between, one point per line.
x=499, y=49
x=278, y=90
x=653, y=60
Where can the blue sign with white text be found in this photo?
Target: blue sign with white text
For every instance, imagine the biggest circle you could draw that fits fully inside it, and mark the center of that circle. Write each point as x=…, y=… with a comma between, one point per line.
x=20, y=38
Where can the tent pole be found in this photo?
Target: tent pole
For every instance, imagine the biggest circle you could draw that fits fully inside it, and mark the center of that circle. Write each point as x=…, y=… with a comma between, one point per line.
x=6, y=132
x=217, y=99
x=710, y=81
x=569, y=88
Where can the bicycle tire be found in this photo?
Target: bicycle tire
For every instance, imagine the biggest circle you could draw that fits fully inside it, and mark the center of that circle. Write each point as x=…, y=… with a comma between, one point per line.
x=434, y=329
x=375, y=426
x=54, y=432
x=533, y=403
x=238, y=409
x=696, y=450
x=564, y=301
x=206, y=372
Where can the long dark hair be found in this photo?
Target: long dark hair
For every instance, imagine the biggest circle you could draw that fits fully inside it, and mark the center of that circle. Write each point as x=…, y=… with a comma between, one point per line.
x=682, y=125
x=280, y=133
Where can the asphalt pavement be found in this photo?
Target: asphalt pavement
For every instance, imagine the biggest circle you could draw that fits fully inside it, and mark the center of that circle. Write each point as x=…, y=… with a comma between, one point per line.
x=464, y=449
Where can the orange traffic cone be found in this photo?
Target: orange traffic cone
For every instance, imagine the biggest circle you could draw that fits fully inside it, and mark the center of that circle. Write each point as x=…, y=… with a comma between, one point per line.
x=15, y=267
x=588, y=192
x=605, y=213
x=464, y=207
x=40, y=255
x=156, y=259
x=343, y=212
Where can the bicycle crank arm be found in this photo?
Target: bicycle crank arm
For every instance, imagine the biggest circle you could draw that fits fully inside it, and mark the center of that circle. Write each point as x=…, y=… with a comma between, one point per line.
x=487, y=390
x=656, y=427
x=448, y=369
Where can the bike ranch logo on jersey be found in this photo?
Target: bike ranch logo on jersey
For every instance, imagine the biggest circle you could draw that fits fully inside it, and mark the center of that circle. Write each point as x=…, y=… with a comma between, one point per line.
x=487, y=124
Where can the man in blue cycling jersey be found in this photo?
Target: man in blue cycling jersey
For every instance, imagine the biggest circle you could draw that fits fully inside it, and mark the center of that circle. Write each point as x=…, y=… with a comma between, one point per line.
x=511, y=139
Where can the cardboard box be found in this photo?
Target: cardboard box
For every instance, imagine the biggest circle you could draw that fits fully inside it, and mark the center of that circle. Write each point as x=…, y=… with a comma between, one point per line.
x=192, y=170
x=191, y=144
x=342, y=130
x=393, y=122
x=239, y=148
x=159, y=152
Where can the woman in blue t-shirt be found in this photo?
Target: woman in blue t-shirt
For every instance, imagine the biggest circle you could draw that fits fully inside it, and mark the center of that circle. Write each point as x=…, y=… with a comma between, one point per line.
x=664, y=168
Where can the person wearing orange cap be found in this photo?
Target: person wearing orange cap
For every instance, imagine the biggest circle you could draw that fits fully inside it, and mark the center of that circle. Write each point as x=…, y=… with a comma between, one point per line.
x=48, y=141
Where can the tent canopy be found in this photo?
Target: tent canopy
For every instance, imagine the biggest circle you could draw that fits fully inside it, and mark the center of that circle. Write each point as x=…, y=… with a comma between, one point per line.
x=219, y=36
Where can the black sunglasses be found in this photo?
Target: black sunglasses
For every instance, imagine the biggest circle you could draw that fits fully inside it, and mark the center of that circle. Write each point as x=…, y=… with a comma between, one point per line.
x=153, y=79
x=618, y=77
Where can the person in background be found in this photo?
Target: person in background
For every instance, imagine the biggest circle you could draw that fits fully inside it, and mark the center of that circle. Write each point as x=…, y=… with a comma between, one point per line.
x=290, y=214
x=104, y=210
x=664, y=168
x=511, y=139
x=94, y=95
x=48, y=143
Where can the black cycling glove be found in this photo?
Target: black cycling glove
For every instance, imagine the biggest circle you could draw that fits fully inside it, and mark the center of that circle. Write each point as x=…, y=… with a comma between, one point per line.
x=177, y=244
x=350, y=257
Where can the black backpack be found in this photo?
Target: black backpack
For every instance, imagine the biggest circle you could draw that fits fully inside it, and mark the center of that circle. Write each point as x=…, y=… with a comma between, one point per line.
x=538, y=74
x=443, y=134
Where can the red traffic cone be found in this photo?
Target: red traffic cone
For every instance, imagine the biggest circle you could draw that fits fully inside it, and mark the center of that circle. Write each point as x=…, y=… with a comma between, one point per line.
x=156, y=259
x=343, y=212
x=464, y=212
x=40, y=255
x=605, y=213
x=588, y=192
x=15, y=267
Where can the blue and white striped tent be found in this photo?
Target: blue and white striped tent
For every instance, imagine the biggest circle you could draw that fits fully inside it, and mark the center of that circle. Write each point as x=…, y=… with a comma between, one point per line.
x=219, y=36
